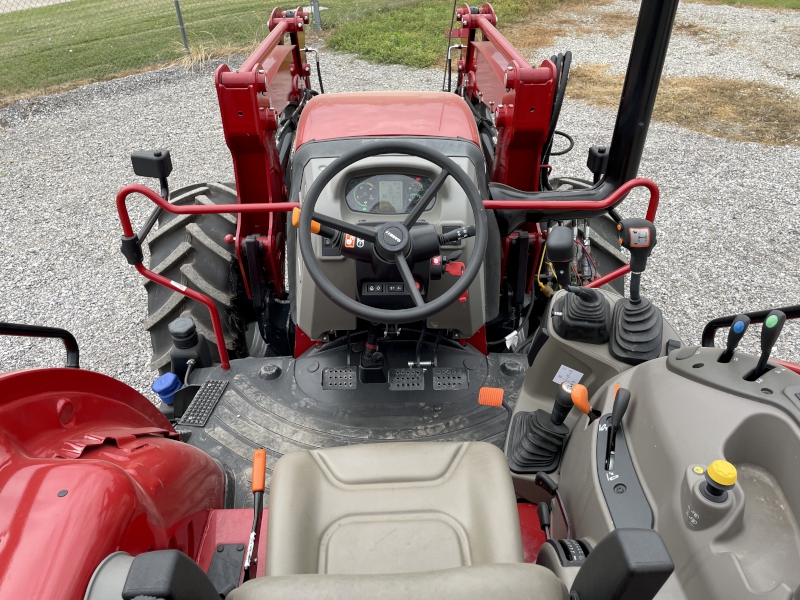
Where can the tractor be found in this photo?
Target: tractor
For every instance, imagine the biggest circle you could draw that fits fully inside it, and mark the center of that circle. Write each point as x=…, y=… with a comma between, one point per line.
x=396, y=359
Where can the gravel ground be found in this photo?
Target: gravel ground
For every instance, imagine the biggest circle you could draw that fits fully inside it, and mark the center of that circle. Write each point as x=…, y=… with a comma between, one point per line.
x=730, y=42
x=728, y=222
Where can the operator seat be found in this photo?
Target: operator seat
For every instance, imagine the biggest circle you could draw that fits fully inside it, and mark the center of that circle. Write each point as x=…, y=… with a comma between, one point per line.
x=405, y=520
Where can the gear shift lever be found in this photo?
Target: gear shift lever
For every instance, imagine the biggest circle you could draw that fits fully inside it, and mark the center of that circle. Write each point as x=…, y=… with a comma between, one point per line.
x=638, y=325
x=770, y=331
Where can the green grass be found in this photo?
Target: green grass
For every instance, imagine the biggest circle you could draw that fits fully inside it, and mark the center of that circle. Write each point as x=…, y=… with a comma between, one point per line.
x=89, y=39
x=411, y=32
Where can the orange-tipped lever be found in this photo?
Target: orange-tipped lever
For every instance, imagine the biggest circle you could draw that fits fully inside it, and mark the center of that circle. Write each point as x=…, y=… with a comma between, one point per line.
x=258, y=487
x=316, y=226
x=489, y=396
x=580, y=398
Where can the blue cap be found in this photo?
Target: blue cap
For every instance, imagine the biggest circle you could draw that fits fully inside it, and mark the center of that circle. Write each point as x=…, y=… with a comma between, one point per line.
x=166, y=386
x=738, y=327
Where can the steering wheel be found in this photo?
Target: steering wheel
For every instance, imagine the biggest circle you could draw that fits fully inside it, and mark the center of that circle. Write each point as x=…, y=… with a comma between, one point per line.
x=392, y=241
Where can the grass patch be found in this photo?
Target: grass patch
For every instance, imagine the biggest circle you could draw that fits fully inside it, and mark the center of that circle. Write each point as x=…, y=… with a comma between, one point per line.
x=410, y=33
x=87, y=40
x=732, y=109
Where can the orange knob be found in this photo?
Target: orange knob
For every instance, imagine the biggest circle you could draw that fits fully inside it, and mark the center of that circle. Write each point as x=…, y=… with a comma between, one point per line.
x=580, y=398
x=259, y=470
x=315, y=226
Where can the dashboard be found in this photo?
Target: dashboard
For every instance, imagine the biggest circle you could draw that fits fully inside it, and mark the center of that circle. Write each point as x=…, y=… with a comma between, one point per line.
x=387, y=193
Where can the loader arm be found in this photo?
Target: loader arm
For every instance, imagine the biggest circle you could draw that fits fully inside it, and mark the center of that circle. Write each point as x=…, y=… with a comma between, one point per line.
x=520, y=96
x=251, y=101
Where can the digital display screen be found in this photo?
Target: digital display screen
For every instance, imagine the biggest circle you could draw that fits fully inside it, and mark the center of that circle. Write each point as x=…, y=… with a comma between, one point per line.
x=390, y=195
x=387, y=193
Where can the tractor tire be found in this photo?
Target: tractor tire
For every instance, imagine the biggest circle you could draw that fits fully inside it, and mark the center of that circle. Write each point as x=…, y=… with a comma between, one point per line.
x=190, y=249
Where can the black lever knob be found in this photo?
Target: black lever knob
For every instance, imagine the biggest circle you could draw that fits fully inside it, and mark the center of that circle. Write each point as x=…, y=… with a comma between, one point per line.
x=621, y=402
x=543, y=512
x=639, y=237
x=544, y=481
x=737, y=331
x=563, y=404
x=561, y=252
x=770, y=331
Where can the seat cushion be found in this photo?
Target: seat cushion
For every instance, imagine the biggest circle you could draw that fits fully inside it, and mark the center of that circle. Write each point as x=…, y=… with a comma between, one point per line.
x=391, y=508
x=493, y=582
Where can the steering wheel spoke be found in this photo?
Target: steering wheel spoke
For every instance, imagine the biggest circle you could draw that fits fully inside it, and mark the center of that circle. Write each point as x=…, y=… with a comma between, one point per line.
x=420, y=206
x=359, y=231
x=408, y=278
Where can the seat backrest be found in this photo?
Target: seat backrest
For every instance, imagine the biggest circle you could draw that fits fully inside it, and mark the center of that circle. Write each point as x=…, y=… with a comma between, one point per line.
x=391, y=508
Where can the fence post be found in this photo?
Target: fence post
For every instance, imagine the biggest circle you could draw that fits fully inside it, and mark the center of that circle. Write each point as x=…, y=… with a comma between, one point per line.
x=180, y=24
x=317, y=21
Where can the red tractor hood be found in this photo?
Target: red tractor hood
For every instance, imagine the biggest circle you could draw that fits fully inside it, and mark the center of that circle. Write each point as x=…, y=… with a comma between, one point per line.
x=384, y=114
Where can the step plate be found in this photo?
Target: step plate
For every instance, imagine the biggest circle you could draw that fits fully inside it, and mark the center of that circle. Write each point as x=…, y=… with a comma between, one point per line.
x=339, y=378
x=403, y=380
x=203, y=403
x=450, y=379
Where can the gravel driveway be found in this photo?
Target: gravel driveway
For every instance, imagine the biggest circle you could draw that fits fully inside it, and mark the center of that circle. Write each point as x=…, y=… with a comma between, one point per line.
x=729, y=223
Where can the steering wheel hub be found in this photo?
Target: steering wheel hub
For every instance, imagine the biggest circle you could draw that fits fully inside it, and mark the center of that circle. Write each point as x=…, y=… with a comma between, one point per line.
x=393, y=238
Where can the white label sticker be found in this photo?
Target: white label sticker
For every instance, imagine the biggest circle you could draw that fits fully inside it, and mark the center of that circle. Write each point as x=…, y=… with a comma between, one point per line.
x=567, y=374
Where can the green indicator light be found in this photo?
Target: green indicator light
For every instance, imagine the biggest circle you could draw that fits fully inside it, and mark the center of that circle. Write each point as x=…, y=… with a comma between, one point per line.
x=772, y=320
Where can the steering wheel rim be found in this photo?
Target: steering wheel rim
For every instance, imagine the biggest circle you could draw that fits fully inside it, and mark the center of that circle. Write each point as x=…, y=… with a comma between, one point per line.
x=404, y=315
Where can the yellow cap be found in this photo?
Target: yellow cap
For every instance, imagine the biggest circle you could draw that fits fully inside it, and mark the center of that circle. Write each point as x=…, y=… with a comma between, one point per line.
x=699, y=470
x=722, y=472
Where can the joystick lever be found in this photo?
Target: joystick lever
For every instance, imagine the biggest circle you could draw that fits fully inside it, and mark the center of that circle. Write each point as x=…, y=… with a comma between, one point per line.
x=737, y=331
x=639, y=237
x=770, y=331
x=561, y=252
x=621, y=400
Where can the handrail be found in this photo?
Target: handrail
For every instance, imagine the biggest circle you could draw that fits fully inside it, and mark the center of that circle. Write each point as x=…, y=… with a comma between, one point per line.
x=70, y=343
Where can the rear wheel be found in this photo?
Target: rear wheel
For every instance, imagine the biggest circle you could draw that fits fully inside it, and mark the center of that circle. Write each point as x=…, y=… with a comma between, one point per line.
x=190, y=249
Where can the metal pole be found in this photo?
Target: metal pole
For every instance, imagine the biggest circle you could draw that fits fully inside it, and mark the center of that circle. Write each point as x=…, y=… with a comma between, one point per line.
x=317, y=21
x=180, y=24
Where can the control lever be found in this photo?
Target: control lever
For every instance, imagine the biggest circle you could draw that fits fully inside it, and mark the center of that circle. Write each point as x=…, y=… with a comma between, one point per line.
x=561, y=252
x=544, y=481
x=770, y=331
x=543, y=512
x=584, y=293
x=737, y=331
x=621, y=400
x=639, y=237
x=258, y=486
x=451, y=237
x=318, y=228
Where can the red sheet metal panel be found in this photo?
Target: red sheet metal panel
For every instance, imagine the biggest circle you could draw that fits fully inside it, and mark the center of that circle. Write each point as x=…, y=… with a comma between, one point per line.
x=378, y=114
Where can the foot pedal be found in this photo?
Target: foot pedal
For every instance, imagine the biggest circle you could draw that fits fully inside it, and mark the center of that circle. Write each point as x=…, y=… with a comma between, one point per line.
x=203, y=403
x=402, y=380
x=450, y=379
x=339, y=378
